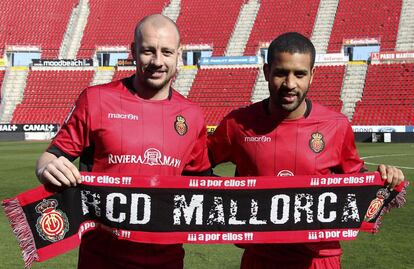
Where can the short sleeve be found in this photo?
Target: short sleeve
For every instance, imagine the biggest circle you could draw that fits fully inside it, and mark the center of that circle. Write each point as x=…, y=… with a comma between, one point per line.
x=73, y=136
x=350, y=160
x=199, y=155
x=219, y=144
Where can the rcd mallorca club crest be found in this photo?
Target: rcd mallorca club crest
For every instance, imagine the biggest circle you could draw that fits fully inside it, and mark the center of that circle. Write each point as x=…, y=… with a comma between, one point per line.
x=53, y=223
x=376, y=204
x=316, y=142
x=180, y=125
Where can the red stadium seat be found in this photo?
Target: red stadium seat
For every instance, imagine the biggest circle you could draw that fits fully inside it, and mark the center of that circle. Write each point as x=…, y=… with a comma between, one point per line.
x=326, y=86
x=218, y=91
x=208, y=22
x=112, y=23
x=279, y=16
x=119, y=74
x=388, y=97
x=366, y=19
x=49, y=95
x=35, y=23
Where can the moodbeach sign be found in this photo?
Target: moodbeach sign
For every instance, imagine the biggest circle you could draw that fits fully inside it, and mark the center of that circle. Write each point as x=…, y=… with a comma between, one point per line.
x=62, y=62
x=202, y=210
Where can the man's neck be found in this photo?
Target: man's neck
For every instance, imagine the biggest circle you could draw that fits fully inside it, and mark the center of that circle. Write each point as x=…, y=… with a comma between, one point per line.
x=280, y=114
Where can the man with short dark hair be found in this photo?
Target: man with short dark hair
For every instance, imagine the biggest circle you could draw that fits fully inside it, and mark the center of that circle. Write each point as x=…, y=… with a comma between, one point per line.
x=137, y=125
x=298, y=137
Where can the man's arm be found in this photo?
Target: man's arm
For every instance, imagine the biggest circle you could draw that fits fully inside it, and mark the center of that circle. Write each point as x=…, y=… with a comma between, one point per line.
x=55, y=165
x=392, y=175
x=219, y=145
x=58, y=171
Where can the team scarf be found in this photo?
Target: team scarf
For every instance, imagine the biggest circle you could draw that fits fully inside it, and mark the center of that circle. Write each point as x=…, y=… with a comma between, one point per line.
x=200, y=210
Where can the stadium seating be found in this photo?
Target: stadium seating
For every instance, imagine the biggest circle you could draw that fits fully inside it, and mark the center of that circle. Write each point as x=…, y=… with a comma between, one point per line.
x=388, y=97
x=208, y=22
x=112, y=23
x=218, y=91
x=49, y=95
x=326, y=86
x=37, y=23
x=278, y=16
x=366, y=19
x=119, y=74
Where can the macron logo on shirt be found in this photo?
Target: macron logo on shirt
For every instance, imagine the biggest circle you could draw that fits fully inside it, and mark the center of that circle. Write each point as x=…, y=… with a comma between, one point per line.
x=257, y=139
x=122, y=116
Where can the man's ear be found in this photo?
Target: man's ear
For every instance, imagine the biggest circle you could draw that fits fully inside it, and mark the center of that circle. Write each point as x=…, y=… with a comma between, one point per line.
x=266, y=70
x=133, y=51
x=312, y=74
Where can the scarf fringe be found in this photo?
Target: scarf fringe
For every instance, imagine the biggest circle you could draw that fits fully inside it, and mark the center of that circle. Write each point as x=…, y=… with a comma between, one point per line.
x=398, y=202
x=21, y=229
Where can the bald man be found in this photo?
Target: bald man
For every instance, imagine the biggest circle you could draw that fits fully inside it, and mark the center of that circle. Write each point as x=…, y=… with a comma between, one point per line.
x=141, y=117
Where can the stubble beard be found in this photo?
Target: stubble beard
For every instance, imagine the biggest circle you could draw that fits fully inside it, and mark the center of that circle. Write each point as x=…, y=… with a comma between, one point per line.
x=155, y=86
x=287, y=107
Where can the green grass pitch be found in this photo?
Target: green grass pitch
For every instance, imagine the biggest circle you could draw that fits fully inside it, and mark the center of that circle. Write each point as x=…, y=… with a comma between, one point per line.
x=390, y=248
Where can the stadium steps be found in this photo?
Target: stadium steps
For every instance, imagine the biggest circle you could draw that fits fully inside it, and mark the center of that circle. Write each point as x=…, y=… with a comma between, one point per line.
x=260, y=90
x=323, y=24
x=185, y=79
x=244, y=25
x=74, y=32
x=353, y=87
x=103, y=75
x=405, y=37
x=172, y=11
x=14, y=83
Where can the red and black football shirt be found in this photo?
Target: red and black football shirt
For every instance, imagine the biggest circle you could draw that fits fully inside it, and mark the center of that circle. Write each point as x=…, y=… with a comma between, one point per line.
x=112, y=129
x=319, y=143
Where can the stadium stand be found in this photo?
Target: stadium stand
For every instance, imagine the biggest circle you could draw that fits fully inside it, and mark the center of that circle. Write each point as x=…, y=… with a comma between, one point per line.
x=388, y=97
x=116, y=29
x=371, y=19
x=278, y=16
x=123, y=74
x=208, y=22
x=49, y=95
x=36, y=23
x=218, y=91
x=326, y=86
